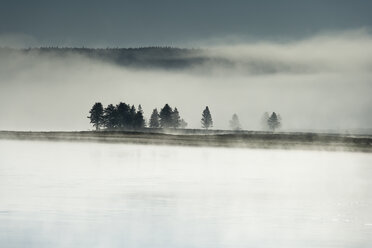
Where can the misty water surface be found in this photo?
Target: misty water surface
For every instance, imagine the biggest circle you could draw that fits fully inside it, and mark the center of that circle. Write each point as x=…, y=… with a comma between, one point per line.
x=112, y=195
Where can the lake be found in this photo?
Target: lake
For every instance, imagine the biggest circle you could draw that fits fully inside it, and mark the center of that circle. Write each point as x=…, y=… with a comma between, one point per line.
x=59, y=194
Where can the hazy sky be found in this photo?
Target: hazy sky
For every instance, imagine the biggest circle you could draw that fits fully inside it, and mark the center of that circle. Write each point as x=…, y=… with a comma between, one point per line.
x=173, y=22
x=319, y=83
x=310, y=61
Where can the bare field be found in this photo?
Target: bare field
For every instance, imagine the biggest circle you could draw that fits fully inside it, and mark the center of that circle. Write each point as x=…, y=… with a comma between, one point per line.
x=209, y=138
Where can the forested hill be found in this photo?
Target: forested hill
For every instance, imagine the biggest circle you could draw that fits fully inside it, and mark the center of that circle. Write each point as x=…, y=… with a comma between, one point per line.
x=203, y=60
x=158, y=57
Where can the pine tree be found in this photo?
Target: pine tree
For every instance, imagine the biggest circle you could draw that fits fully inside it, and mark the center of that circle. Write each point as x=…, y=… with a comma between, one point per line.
x=206, y=120
x=235, y=123
x=110, y=117
x=140, y=109
x=139, y=120
x=176, y=120
x=132, y=116
x=166, y=116
x=274, y=122
x=123, y=115
x=96, y=115
x=154, y=119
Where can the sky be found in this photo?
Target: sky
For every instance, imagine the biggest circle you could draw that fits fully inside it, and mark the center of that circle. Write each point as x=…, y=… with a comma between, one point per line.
x=96, y=23
x=317, y=84
x=309, y=61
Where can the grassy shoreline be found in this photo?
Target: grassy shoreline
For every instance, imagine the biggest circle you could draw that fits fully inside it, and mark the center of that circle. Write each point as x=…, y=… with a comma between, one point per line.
x=245, y=139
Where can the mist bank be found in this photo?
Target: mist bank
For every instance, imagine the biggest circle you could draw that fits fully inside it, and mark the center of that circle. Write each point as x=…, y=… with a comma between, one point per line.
x=319, y=83
x=208, y=138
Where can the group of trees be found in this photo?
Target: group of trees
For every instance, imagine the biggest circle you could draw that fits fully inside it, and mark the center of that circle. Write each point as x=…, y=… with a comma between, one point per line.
x=168, y=118
x=269, y=122
x=124, y=116
x=121, y=116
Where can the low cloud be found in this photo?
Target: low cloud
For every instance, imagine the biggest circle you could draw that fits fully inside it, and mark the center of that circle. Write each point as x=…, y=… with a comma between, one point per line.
x=347, y=52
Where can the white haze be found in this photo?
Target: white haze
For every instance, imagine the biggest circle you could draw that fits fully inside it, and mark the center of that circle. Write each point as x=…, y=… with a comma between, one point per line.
x=56, y=194
x=324, y=82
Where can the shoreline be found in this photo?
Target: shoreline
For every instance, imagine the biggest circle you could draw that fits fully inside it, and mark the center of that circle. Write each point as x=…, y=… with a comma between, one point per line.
x=210, y=138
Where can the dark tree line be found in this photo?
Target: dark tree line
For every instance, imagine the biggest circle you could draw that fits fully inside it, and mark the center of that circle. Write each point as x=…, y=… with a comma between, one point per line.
x=124, y=116
x=157, y=57
x=121, y=116
x=167, y=118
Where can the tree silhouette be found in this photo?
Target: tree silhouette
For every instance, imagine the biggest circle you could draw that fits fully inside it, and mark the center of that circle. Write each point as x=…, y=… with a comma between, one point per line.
x=166, y=116
x=234, y=122
x=206, y=120
x=176, y=119
x=110, y=116
x=139, y=121
x=96, y=115
x=274, y=121
x=132, y=116
x=123, y=115
x=140, y=108
x=154, y=119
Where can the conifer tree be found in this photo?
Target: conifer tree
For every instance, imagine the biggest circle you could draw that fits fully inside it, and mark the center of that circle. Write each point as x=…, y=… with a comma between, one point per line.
x=166, y=116
x=139, y=121
x=123, y=115
x=154, y=119
x=140, y=109
x=176, y=119
x=274, y=121
x=235, y=123
x=206, y=120
x=96, y=115
x=110, y=117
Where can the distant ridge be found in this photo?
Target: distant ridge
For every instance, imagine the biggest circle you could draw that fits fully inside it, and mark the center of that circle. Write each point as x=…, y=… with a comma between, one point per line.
x=171, y=58
x=152, y=57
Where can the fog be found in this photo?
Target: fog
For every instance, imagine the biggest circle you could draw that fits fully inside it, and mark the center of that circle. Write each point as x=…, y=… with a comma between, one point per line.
x=319, y=83
x=56, y=194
